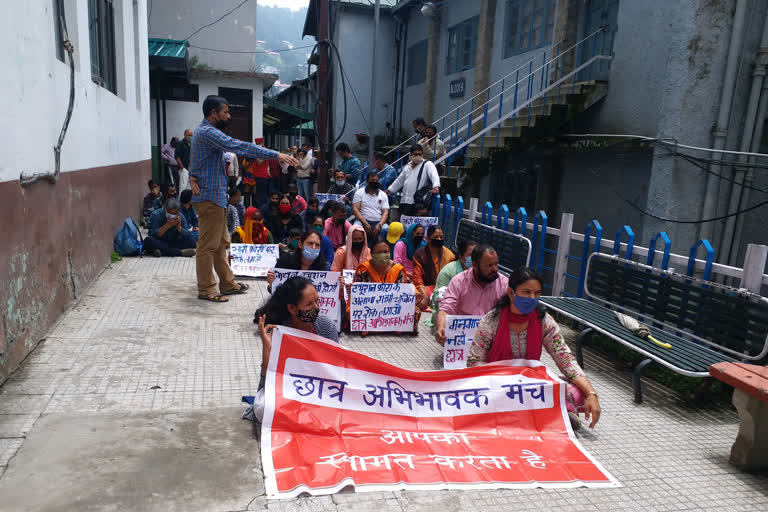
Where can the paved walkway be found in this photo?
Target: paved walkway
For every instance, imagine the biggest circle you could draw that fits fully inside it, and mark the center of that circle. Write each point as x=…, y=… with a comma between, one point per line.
x=132, y=402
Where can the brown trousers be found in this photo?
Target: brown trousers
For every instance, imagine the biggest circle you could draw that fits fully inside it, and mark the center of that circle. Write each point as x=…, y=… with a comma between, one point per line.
x=212, y=250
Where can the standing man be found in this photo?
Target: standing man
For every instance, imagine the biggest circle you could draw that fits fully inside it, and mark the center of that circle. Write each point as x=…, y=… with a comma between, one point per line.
x=371, y=208
x=183, y=150
x=387, y=173
x=410, y=181
x=434, y=148
x=349, y=164
x=208, y=180
x=168, y=154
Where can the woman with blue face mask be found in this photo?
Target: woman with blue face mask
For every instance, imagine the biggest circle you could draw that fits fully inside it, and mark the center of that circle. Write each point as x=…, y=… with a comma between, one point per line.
x=463, y=262
x=306, y=256
x=518, y=327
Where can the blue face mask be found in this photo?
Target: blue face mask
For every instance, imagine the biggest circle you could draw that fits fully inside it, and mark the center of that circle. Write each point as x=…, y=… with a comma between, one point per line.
x=524, y=304
x=468, y=261
x=311, y=254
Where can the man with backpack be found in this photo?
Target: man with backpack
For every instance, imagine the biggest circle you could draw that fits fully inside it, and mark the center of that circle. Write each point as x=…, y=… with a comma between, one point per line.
x=419, y=181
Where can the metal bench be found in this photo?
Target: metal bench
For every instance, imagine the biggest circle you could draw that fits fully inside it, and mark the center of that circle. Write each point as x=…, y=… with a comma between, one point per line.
x=750, y=397
x=514, y=250
x=706, y=323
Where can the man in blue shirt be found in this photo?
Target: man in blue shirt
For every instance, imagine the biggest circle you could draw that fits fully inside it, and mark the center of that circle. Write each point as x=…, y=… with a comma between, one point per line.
x=387, y=173
x=349, y=164
x=169, y=233
x=208, y=182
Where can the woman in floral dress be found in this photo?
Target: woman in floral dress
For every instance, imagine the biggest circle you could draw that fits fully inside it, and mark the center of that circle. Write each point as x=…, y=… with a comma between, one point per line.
x=518, y=328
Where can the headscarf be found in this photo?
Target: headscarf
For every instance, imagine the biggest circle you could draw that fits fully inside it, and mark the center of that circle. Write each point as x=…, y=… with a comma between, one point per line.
x=253, y=233
x=365, y=254
x=408, y=240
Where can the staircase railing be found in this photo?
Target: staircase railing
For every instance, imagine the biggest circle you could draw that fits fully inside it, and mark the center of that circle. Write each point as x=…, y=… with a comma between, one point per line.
x=519, y=88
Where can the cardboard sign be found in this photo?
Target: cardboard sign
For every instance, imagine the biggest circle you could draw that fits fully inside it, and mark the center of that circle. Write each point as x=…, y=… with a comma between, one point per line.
x=327, y=284
x=253, y=260
x=407, y=221
x=334, y=418
x=459, y=333
x=382, y=307
x=324, y=198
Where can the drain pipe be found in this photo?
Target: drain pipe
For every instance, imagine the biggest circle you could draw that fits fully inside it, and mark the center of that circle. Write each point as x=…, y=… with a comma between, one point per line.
x=709, y=210
x=729, y=245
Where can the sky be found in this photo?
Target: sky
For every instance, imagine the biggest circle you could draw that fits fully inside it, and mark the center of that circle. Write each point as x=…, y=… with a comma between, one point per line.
x=294, y=5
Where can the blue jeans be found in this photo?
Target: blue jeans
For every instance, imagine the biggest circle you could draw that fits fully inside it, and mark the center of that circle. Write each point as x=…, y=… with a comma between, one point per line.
x=260, y=192
x=305, y=188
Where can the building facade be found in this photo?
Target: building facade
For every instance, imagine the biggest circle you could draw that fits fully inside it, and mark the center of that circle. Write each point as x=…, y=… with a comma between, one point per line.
x=60, y=229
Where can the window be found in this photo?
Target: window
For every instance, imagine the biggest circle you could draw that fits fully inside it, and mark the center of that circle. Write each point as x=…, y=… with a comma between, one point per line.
x=462, y=42
x=101, y=29
x=417, y=63
x=528, y=25
x=58, y=13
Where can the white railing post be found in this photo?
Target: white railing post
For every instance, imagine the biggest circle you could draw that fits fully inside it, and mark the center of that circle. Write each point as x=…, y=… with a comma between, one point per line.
x=754, y=266
x=474, y=202
x=561, y=258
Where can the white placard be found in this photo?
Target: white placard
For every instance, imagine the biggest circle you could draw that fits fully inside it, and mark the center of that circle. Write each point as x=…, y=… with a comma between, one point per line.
x=382, y=307
x=324, y=198
x=407, y=221
x=459, y=333
x=253, y=260
x=327, y=284
x=349, y=278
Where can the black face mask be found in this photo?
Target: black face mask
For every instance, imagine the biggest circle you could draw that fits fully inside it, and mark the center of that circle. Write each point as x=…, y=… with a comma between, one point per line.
x=374, y=185
x=357, y=246
x=338, y=222
x=221, y=124
x=436, y=243
x=417, y=240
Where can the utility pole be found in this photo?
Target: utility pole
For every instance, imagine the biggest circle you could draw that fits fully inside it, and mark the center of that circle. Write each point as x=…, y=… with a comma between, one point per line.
x=372, y=116
x=323, y=96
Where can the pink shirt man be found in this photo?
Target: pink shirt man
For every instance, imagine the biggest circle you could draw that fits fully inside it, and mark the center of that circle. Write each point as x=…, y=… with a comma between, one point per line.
x=334, y=232
x=466, y=295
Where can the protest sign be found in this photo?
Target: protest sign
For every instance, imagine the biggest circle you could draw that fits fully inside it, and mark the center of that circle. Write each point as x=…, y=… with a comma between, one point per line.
x=327, y=284
x=334, y=418
x=324, y=198
x=349, y=278
x=459, y=333
x=408, y=221
x=382, y=307
x=253, y=260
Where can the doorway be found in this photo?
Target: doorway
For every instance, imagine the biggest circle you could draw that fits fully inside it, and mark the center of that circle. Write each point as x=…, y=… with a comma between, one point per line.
x=241, y=109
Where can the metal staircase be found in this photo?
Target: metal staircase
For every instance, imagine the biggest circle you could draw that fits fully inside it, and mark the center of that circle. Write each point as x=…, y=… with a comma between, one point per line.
x=542, y=90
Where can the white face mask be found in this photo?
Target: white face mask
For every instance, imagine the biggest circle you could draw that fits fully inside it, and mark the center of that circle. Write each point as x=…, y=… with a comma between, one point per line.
x=417, y=159
x=171, y=216
x=340, y=182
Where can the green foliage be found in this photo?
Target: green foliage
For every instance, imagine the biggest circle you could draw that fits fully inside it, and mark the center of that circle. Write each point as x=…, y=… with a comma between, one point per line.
x=115, y=257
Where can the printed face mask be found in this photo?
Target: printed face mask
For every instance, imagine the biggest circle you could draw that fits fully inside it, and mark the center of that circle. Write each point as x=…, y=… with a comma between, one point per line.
x=524, y=304
x=308, y=315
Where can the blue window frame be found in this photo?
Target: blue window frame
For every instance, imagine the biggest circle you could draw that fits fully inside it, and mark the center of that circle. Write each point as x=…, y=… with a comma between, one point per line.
x=462, y=43
x=417, y=63
x=528, y=25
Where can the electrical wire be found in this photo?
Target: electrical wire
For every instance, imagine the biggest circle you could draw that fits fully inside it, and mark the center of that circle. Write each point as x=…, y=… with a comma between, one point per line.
x=676, y=221
x=217, y=20
x=252, y=52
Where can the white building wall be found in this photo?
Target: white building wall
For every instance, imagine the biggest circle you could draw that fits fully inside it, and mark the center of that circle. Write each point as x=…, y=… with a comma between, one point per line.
x=106, y=129
x=181, y=115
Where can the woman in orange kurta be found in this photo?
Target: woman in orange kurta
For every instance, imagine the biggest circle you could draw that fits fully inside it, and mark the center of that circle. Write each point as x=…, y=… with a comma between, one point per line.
x=428, y=261
x=381, y=269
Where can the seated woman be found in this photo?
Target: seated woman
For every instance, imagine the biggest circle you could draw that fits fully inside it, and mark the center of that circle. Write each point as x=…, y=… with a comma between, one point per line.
x=518, y=327
x=306, y=256
x=317, y=224
x=285, y=222
x=406, y=247
x=294, y=304
x=355, y=252
x=381, y=269
x=313, y=210
x=462, y=262
x=253, y=230
x=428, y=261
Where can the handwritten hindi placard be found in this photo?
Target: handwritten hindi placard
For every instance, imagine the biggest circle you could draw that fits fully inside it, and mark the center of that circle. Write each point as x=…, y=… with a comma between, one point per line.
x=459, y=333
x=324, y=198
x=349, y=278
x=334, y=417
x=408, y=221
x=253, y=260
x=327, y=284
x=382, y=307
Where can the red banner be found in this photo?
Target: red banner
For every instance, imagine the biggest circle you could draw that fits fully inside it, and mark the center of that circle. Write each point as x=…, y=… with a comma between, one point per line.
x=335, y=418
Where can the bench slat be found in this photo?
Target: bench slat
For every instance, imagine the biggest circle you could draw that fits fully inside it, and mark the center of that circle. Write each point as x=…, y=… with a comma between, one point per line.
x=684, y=355
x=751, y=379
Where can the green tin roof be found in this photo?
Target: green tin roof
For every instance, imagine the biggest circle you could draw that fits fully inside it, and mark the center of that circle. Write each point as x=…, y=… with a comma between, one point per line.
x=167, y=48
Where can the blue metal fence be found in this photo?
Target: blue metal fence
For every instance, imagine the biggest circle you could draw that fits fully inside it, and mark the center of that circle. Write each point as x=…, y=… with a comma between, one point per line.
x=450, y=212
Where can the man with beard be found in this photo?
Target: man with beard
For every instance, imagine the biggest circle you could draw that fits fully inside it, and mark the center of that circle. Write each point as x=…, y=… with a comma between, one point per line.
x=474, y=291
x=208, y=181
